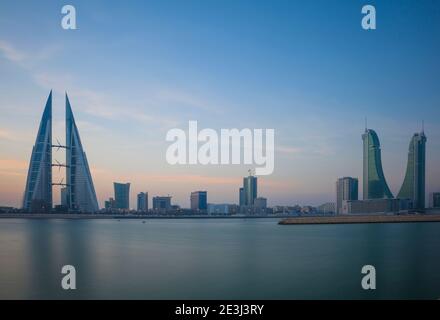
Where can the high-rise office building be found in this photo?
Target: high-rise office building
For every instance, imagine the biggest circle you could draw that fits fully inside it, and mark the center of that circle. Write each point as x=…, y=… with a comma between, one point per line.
x=162, y=203
x=81, y=194
x=199, y=200
x=38, y=190
x=241, y=197
x=122, y=195
x=142, y=202
x=249, y=190
x=374, y=183
x=346, y=189
x=413, y=186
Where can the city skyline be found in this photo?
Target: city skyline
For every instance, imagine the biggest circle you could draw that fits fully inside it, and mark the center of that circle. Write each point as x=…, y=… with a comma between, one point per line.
x=79, y=195
x=269, y=67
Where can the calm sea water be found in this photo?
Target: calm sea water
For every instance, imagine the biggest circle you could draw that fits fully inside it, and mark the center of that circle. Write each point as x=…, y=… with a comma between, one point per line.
x=210, y=259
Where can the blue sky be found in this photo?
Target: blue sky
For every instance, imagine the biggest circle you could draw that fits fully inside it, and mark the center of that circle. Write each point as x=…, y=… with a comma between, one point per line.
x=135, y=69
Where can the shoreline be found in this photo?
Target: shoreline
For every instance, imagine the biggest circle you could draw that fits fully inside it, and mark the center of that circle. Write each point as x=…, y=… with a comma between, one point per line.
x=355, y=219
x=88, y=216
x=284, y=219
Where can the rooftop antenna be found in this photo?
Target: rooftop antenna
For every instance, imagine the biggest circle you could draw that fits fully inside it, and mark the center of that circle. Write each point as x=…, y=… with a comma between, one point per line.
x=366, y=124
x=423, y=126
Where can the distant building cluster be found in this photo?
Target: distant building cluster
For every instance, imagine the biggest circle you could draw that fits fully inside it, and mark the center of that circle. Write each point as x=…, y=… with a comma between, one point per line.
x=251, y=204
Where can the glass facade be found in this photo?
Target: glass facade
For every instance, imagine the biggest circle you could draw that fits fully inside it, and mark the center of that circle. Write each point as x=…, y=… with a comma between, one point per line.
x=162, y=203
x=122, y=195
x=81, y=196
x=413, y=186
x=346, y=189
x=199, y=200
x=249, y=190
x=142, y=201
x=38, y=191
x=374, y=183
x=241, y=197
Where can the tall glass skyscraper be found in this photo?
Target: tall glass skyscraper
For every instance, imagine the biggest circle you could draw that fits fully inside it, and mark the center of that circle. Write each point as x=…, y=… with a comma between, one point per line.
x=81, y=194
x=142, y=201
x=374, y=183
x=122, y=195
x=413, y=186
x=38, y=191
x=346, y=189
x=249, y=190
x=199, y=200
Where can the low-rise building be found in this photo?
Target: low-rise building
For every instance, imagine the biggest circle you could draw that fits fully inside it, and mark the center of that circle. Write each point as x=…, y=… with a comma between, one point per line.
x=327, y=208
x=372, y=206
x=260, y=202
x=162, y=203
x=222, y=209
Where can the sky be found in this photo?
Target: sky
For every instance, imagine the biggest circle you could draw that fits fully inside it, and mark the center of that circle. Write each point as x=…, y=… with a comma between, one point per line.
x=136, y=69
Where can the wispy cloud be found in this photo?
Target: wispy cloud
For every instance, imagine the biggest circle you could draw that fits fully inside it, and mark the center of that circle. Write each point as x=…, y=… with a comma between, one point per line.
x=6, y=135
x=181, y=98
x=105, y=105
x=25, y=59
x=12, y=167
x=11, y=53
x=99, y=104
x=288, y=150
x=14, y=136
x=95, y=103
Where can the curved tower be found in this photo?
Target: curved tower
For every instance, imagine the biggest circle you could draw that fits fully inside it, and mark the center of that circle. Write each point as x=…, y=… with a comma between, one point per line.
x=374, y=183
x=413, y=186
x=81, y=194
x=38, y=190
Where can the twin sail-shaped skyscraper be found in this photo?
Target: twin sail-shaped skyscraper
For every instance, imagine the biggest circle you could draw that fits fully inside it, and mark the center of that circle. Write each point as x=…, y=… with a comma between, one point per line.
x=80, y=192
x=374, y=183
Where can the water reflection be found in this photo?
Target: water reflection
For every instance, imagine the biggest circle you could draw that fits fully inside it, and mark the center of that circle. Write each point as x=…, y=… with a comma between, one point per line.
x=208, y=259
